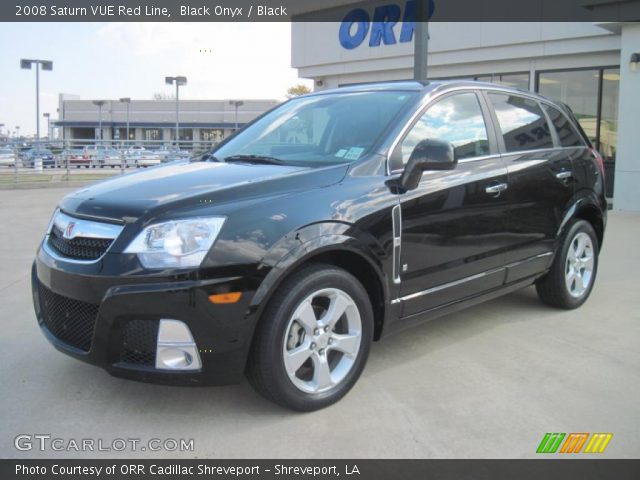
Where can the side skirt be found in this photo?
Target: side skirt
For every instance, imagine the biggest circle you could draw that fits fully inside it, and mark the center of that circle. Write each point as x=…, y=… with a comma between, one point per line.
x=401, y=324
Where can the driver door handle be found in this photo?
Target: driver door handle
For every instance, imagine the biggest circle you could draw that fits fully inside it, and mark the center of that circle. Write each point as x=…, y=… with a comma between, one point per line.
x=563, y=175
x=496, y=189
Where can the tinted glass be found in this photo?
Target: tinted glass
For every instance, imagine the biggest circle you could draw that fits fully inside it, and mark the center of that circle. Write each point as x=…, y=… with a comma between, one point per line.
x=523, y=125
x=456, y=119
x=320, y=129
x=567, y=134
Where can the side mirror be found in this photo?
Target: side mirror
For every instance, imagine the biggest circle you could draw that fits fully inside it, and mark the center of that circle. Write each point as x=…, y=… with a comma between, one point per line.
x=426, y=156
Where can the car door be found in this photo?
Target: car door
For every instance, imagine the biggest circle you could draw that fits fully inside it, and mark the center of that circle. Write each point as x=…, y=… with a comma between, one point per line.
x=540, y=179
x=453, y=224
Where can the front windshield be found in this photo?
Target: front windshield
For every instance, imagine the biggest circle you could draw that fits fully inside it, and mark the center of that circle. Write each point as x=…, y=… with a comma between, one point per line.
x=320, y=129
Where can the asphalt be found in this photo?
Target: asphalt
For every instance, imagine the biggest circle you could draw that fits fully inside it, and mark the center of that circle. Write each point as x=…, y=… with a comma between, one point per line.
x=487, y=382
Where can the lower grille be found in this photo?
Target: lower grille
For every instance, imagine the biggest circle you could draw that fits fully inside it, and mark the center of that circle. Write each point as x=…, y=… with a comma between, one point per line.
x=139, y=341
x=81, y=248
x=70, y=321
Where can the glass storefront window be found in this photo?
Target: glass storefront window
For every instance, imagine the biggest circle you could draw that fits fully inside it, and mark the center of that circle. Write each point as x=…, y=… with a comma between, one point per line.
x=609, y=114
x=211, y=135
x=185, y=134
x=592, y=94
x=515, y=80
x=151, y=134
x=579, y=90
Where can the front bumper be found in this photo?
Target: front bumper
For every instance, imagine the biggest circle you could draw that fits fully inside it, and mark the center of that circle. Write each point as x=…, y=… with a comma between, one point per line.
x=95, y=313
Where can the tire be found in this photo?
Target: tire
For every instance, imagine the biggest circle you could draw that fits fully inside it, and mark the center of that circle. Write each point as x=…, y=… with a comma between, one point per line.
x=560, y=287
x=318, y=343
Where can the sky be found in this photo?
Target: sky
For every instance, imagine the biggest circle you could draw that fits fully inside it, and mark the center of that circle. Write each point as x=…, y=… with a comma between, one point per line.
x=114, y=60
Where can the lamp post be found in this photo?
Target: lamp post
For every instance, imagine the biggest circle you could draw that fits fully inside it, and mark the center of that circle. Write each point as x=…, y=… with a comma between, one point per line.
x=48, y=117
x=236, y=104
x=46, y=65
x=179, y=81
x=17, y=131
x=127, y=101
x=99, y=104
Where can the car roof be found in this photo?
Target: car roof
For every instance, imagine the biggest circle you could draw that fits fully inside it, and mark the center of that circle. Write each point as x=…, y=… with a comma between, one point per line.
x=415, y=86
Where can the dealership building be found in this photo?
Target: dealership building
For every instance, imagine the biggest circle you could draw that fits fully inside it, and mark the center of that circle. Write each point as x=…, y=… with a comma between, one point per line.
x=155, y=120
x=592, y=67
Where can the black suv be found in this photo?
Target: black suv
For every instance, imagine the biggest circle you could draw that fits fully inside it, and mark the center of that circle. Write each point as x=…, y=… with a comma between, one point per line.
x=328, y=222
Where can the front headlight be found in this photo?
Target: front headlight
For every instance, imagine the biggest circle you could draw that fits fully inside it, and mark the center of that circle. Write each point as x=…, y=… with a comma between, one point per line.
x=177, y=243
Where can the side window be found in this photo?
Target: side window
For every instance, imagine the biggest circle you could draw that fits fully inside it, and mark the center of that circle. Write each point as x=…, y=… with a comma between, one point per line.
x=567, y=133
x=456, y=119
x=523, y=125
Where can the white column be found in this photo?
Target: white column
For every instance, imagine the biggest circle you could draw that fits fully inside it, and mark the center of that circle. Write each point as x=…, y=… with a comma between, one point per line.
x=627, y=179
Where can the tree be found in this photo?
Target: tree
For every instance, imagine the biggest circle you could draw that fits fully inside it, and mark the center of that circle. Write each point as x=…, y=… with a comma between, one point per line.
x=298, y=90
x=163, y=96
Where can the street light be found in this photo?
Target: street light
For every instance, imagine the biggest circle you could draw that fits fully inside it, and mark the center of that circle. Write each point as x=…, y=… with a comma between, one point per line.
x=179, y=81
x=127, y=101
x=48, y=117
x=236, y=103
x=46, y=65
x=99, y=104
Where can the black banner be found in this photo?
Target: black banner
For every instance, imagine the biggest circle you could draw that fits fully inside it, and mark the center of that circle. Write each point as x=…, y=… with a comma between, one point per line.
x=316, y=10
x=546, y=469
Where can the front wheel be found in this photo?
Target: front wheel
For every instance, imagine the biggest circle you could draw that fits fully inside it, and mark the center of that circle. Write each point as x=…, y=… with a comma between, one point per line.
x=570, y=280
x=313, y=339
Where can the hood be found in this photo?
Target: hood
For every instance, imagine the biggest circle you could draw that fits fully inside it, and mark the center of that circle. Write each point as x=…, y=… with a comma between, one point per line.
x=128, y=197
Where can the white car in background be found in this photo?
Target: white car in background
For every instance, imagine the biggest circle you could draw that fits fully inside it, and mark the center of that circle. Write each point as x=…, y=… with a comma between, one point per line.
x=7, y=157
x=142, y=158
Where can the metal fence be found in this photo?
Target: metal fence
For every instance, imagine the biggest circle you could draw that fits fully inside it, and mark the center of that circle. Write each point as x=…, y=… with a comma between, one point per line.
x=82, y=160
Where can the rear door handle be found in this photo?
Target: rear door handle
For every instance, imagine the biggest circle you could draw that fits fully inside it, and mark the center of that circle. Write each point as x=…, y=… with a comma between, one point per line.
x=496, y=189
x=563, y=175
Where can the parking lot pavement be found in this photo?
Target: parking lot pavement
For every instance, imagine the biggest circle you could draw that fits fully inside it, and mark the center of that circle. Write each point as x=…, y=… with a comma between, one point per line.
x=487, y=382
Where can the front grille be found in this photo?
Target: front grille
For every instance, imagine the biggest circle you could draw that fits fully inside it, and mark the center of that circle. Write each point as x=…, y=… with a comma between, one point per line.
x=69, y=320
x=139, y=340
x=81, y=248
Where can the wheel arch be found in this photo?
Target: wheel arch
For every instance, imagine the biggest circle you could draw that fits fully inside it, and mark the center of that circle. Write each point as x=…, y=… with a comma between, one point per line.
x=340, y=251
x=588, y=209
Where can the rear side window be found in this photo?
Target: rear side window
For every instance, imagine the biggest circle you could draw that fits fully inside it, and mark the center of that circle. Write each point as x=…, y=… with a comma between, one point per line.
x=567, y=133
x=456, y=119
x=523, y=125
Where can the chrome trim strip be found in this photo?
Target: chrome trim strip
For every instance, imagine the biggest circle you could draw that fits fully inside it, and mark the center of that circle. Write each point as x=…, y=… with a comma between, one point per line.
x=396, y=227
x=72, y=227
x=437, y=288
x=80, y=228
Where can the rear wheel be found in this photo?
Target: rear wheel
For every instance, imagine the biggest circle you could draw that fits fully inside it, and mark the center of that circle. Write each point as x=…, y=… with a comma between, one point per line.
x=313, y=340
x=570, y=279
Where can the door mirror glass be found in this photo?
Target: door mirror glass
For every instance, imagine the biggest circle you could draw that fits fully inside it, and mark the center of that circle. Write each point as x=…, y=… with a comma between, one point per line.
x=427, y=155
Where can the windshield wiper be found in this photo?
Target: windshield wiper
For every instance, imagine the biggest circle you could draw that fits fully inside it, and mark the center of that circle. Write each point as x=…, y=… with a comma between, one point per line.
x=255, y=159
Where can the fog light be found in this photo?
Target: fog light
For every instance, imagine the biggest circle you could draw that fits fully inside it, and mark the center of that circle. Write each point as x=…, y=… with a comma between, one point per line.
x=176, y=349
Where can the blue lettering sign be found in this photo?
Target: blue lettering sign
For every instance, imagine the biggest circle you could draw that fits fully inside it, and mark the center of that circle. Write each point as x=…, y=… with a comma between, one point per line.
x=355, y=25
x=384, y=18
x=360, y=18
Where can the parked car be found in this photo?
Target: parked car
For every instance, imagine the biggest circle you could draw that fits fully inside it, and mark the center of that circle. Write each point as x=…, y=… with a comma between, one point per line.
x=142, y=158
x=108, y=158
x=330, y=222
x=7, y=157
x=75, y=157
x=171, y=154
x=29, y=157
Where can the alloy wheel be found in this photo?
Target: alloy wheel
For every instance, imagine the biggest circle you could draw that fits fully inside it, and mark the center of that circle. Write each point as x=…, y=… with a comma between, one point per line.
x=322, y=340
x=579, y=265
